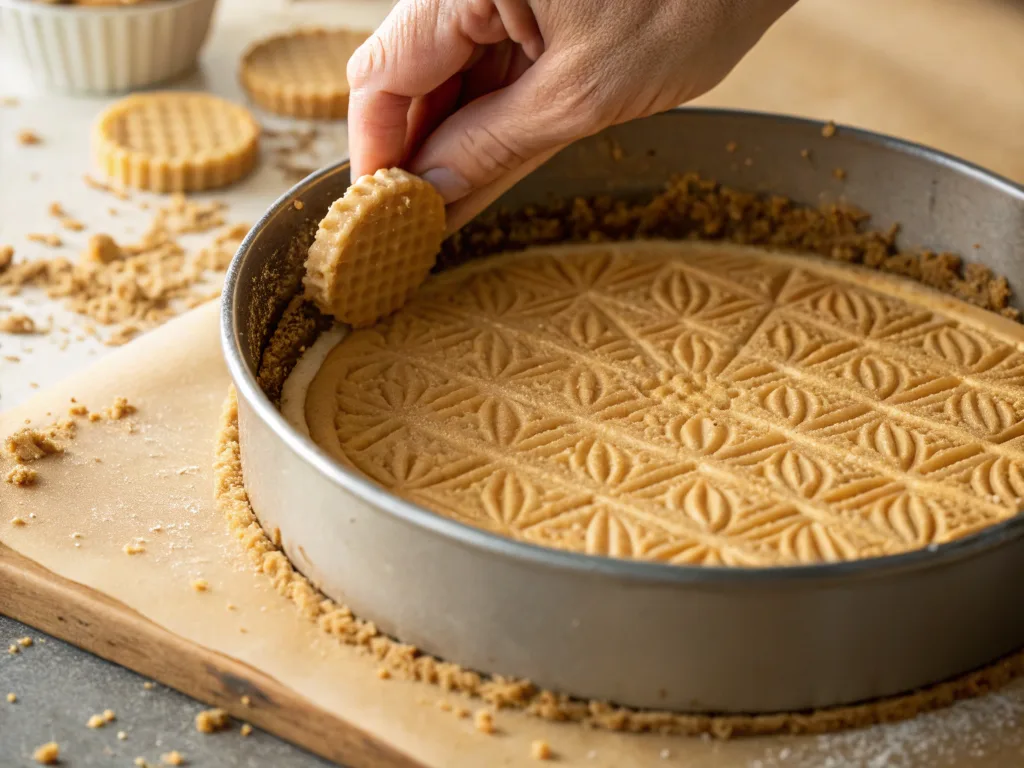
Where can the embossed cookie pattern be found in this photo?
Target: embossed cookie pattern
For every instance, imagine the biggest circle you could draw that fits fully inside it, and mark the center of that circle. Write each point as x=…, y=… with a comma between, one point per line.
x=682, y=403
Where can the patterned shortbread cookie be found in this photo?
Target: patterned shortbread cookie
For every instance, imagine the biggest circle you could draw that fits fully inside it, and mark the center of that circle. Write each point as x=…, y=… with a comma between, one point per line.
x=375, y=247
x=176, y=141
x=685, y=403
x=301, y=73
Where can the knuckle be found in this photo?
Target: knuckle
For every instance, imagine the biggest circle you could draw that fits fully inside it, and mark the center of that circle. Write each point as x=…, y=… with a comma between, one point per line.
x=489, y=151
x=369, y=59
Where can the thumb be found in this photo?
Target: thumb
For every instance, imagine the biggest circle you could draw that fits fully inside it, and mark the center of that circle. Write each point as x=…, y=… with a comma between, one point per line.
x=487, y=143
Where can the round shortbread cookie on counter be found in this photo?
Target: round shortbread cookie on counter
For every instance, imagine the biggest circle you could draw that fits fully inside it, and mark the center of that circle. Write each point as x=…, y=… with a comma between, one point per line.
x=301, y=73
x=375, y=246
x=173, y=141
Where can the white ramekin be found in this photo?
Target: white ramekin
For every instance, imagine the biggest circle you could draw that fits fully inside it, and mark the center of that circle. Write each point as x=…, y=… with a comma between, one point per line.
x=103, y=49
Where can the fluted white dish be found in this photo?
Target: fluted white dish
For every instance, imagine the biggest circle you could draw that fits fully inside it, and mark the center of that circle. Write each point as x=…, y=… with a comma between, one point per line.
x=104, y=49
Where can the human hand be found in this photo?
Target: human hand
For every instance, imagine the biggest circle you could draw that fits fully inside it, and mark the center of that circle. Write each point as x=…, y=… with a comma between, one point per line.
x=472, y=94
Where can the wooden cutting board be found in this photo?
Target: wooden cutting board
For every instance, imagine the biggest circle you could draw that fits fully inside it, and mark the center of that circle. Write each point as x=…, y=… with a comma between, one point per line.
x=947, y=72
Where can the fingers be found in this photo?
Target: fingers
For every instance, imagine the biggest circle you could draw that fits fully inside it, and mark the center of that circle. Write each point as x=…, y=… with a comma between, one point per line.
x=415, y=51
x=493, y=136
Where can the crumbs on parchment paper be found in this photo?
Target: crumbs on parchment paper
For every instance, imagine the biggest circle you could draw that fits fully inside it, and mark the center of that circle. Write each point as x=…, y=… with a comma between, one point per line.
x=29, y=138
x=132, y=287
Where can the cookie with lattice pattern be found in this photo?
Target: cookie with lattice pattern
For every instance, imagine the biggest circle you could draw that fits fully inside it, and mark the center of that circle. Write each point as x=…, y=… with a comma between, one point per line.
x=301, y=73
x=176, y=141
x=375, y=246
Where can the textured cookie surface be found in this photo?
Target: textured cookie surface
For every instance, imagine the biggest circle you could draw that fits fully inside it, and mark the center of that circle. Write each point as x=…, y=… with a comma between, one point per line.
x=685, y=403
x=301, y=73
x=375, y=246
x=176, y=141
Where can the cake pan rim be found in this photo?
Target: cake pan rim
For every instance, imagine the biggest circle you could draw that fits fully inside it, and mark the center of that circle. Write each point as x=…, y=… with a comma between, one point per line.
x=619, y=569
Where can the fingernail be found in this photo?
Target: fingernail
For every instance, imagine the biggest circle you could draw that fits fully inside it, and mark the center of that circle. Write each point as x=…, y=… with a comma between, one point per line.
x=450, y=185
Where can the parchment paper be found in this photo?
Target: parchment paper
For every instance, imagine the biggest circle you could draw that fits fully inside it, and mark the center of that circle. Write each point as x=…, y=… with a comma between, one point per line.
x=948, y=73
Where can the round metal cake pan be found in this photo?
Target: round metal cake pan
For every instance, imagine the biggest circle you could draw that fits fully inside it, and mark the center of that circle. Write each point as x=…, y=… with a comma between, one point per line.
x=644, y=634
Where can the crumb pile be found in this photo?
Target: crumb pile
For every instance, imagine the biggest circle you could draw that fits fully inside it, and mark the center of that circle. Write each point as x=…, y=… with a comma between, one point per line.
x=691, y=207
x=132, y=287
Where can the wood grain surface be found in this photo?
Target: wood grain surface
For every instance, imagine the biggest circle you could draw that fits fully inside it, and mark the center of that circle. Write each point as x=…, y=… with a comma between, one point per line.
x=99, y=624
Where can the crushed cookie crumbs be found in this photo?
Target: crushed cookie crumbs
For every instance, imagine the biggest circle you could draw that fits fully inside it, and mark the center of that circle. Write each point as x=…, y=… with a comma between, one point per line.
x=109, y=716
x=298, y=205
x=828, y=130
x=805, y=154
x=541, y=750
x=839, y=173
x=140, y=762
x=133, y=287
x=245, y=730
x=148, y=685
x=120, y=409
x=135, y=548
x=483, y=721
x=13, y=649
x=95, y=721
x=47, y=754
x=246, y=701
x=18, y=522
x=122, y=736
x=212, y=720
x=19, y=324
x=6, y=256
x=25, y=642
x=12, y=698
x=29, y=444
x=174, y=757
x=383, y=673
x=22, y=476
x=53, y=241
x=200, y=585
x=28, y=138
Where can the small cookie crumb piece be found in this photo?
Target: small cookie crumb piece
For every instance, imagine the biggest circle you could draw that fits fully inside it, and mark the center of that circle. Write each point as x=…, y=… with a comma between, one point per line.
x=541, y=750
x=172, y=758
x=13, y=649
x=136, y=548
x=212, y=720
x=201, y=585
x=29, y=138
x=12, y=698
x=383, y=673
x=96, y=721
x=22, y=476
x=6, y=256
x=828, y=130
x=120, y=409
x=121, y=736
x=103, y=249
x=298, y=204
x=25, y=642
x=29, y=444
x=109, y=716
x=140, y=762
x=483, y=721
x=18, y=522
x=731, y=147
x=805, y=154
x=47, y=754
x=78, y=410
x=245, y=730
x=246, y=701
x=839, y=173
x=18, y=323
x=53, y=241
x=148, y=685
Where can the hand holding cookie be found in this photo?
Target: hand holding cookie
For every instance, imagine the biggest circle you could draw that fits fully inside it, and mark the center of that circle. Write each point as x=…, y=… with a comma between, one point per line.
x=470, y=95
